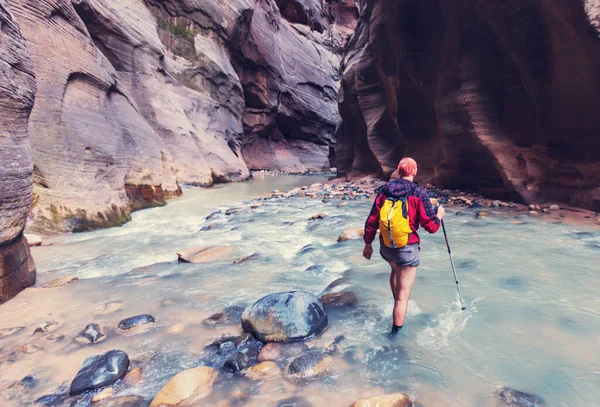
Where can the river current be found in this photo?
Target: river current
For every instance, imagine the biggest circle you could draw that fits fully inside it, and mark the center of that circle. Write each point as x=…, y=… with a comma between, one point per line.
x=532, y=321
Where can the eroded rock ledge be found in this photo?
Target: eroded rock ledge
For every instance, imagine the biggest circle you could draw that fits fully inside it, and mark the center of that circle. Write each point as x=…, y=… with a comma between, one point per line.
x=496, y=95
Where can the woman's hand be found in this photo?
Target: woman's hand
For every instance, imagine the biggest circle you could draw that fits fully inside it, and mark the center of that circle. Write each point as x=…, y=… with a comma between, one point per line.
x=368, y=251
x=441, y=212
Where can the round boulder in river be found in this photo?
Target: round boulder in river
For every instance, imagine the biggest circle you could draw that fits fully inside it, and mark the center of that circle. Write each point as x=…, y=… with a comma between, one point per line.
x=132, y=322
x=100, y=371
x=285, y=317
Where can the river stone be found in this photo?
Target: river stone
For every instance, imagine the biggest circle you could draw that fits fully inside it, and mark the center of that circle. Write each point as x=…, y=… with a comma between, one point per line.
x=131, y=322
x=230, y=315
x=100, y=371
x=311, y=364
x=263, y=371
x=189, y=386
x=46, y=327
x=351, y=234
x=92, y=333
x=284, y=317
x=103, y=395
x=392, y=400
x=554, y=208
x=33, y=240
x=134, y=376
x=204, y=254
x=515, y=398
x=345, y=299
x=319, y=215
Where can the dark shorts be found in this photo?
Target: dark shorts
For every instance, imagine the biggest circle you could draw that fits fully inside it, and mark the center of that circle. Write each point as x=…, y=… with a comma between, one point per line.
x=405, y=256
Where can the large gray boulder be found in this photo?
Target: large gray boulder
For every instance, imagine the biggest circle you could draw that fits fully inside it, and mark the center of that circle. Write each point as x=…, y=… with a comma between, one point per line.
x=17, y=93
x=285, y=317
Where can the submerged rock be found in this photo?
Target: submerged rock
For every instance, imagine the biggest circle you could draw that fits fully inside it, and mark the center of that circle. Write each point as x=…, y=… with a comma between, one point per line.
x=287, y=316
x=52, y=400
x=253, y=256
x=132, y=322
x=392, y=400
x=124, y=401
x=319, y=215
x=312, y=364
x=204, y=254
x=189, y=386
x=344, y=299
x=230, y=315
x=294, y=401
x=100, y=371
x=46, y=327
x=103, y=395
x=263, y=371
x=351, y=234
x=4, y=332
x=92, y=333
x=515, y=398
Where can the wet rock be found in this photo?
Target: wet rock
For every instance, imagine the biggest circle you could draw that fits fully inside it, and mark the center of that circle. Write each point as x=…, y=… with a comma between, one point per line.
x=59, y=282
x=134, y=376
x=33, y=240
x=337, y=285
x=189, y=386
x=234, y=211
x=281, y=352
x=229, y=316
x=257, y=205
x=212, y=226
x=351, y=234
x=481, y=215
x=312, y=364
x=263, y=371
x=319, y=215
x=533, y=213
x=100, y=371
x=132, y=322
x=253, y=256
x=205, y=254
x=342, y=204
x=28, y=382
x=287, y=316
x=4, y=332
x=534, y=207
x=46, y=327
x=103, y=395
x=212, y=215
x=515, y=398
x=294, y=401
x=554, y=208
x=52, y=400
x=334, y=347
x=344, y=299
x=392, y=400
x=237, y=362
x=92, y=333
x=124, y=401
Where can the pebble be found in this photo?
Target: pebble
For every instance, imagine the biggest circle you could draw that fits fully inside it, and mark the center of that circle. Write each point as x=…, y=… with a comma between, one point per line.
x=92, y=333
x=195, y=383
x=319, y=215
x=131, y=322
x=103, y=395
x=309, y=365
x=263, y=371
x=46, y=327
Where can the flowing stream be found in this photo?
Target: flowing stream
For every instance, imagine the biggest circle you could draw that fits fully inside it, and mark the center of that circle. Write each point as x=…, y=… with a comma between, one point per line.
x=532, y=321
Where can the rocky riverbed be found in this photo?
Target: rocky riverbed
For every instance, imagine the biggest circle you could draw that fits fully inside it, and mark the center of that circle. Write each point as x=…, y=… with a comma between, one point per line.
x=256, y=294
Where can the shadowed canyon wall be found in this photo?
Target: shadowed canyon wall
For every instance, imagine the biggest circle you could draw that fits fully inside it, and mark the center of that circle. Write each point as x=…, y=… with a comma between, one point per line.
x=499, y=95
x=137, y=97
x=17, y=91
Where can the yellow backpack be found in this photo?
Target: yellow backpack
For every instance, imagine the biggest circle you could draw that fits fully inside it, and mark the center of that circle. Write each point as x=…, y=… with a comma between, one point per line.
x=394, y=225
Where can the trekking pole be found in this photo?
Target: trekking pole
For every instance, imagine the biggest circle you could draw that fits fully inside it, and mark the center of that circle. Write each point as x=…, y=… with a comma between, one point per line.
x=462, y=302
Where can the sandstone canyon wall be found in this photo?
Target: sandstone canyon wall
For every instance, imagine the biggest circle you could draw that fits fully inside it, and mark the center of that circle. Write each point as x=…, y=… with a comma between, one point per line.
x=17, y=91
x=501, y=95
x=137, y=97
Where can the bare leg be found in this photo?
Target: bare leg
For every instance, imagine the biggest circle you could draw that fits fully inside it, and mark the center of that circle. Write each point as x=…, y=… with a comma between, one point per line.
x=393, y=280
x=405, y=278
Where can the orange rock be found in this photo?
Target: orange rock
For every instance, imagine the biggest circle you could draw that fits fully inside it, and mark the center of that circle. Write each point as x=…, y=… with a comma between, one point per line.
x=392, y=400
x=189, y=386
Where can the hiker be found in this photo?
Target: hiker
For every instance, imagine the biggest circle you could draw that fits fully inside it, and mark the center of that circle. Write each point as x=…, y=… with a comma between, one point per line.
x=399, y=208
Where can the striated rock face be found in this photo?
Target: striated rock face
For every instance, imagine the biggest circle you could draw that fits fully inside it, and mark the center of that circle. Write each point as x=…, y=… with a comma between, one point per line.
x=496, y=95
x=135, y=97
x=17, y=91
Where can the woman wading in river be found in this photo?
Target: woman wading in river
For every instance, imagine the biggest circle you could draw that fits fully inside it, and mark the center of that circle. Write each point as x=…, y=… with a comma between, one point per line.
x=399, y=208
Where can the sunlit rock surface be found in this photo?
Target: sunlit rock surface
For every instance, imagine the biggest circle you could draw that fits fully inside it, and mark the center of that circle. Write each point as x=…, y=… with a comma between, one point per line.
x=496, y=95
